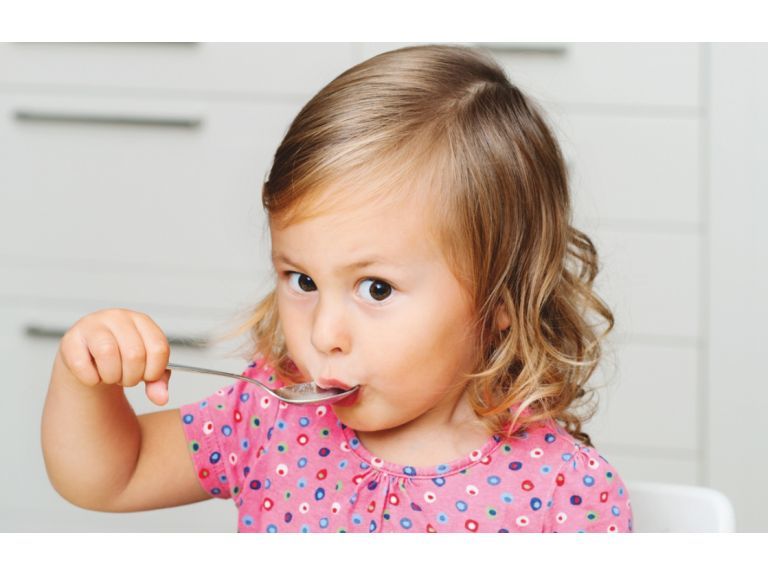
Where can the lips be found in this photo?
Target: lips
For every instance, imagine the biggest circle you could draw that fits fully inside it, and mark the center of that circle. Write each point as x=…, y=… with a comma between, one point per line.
x=332, y=383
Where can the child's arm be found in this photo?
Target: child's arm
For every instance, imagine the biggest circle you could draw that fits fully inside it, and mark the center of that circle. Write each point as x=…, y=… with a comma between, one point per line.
x=99, y=455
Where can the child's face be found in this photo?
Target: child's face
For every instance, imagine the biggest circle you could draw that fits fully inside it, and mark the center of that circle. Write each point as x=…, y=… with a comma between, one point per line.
x=401, y=327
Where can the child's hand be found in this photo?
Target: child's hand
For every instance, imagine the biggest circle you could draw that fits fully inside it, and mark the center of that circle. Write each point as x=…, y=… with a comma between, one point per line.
x=120, y=347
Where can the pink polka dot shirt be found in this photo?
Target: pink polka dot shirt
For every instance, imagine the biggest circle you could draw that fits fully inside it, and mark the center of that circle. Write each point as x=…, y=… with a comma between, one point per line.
x=292, y=468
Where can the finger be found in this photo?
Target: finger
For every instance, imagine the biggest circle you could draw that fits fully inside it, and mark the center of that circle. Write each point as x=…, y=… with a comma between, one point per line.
x=156, y=345
x=132, y=352
x=78, y=360
x=157, y=391
x=105, y=351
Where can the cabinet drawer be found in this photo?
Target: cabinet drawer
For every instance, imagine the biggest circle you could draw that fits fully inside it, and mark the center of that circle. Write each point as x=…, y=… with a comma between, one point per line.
x=633, y=168
x=648, y=398
x=132, y=193
x=652, y=282
x=25, y=491
x=648, y=74
x=266, y=69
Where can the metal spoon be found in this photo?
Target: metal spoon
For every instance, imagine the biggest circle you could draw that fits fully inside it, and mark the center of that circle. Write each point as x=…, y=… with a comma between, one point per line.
x=303, y=393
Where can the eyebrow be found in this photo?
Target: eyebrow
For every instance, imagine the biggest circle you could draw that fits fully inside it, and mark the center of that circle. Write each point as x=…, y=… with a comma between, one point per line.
x=365, y=263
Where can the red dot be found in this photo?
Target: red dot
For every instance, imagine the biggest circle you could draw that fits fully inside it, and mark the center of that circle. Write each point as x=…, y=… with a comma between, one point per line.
x=238, y=416
x=560, y=480
x=204, y=473
x=431, y=528
x=603, y=496
x=267, y=504
x=471, y=525
x=528, y=485
x=322, y=474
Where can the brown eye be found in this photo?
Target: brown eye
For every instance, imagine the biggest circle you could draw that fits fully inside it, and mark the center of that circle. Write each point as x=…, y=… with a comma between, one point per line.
x=378, y=290
x=301, y=282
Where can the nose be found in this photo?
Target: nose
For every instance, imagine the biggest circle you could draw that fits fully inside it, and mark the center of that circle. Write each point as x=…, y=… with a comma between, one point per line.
x=330, y=330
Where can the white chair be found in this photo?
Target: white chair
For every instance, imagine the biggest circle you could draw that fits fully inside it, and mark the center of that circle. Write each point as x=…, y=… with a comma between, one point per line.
x=679, y=508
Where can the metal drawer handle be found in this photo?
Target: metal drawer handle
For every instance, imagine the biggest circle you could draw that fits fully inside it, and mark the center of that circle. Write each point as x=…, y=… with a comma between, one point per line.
x=53, y=333
x=28, y=115
x=544, y=48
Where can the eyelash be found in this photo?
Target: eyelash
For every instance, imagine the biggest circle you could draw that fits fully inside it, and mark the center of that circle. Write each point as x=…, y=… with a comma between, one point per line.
x=289, y=276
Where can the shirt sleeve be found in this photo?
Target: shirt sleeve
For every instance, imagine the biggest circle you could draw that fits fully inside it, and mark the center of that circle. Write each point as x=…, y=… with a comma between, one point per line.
x=228, y=430
x=588, y=496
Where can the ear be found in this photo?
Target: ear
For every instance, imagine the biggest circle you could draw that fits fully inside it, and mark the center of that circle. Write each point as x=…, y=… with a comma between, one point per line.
x=502, y=318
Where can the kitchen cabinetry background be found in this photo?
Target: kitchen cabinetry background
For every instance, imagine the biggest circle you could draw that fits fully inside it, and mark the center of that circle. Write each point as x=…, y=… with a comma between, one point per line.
x=130, y=176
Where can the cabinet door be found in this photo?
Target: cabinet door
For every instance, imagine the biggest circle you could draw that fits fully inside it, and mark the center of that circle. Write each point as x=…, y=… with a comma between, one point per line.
x=28, y=502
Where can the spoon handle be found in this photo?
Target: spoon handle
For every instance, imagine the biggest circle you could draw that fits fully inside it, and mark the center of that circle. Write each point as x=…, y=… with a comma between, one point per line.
x=184, y=368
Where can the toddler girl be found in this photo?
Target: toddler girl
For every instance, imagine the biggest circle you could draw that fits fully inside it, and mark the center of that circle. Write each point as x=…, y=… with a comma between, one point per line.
x=420, y=229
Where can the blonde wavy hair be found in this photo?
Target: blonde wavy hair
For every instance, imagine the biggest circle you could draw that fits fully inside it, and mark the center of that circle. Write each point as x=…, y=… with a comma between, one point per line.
x=450, y=115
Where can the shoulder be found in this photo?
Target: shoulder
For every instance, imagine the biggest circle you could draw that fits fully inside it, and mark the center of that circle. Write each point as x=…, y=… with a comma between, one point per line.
x=586, y=492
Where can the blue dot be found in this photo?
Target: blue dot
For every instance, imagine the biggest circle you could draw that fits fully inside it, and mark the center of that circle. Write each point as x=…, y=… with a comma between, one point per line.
x=494, y=480
x=343, y=464
x=204, y=404
x=303, y=421
x=515, y=466
x=409, y=471
x=567, y=457
x=302, y=483
x=442, y=468
x=535, y=503
x=461, y=506
x=248, y=520
x=215, y=457
x=442, y=518
x=549, y=438
x=216, y=491
x=372, y=526
x=507, y=498
x=244, y=444
x=255, y=485
x=281, y=424
x=364, y=465
x=357, y=519
x=246, y=471
x=438, y=481
x=372, y=485
x=223, y=478
x=576, y=500
x=288, y=517
x=406, y=523
x=324, y=452
x=354, y=442
x=226, y=430
x=323, y=522
x=415, y=507
x=271, y=528
x=244, y=397
x=302, y=462
x=615, y=510
x=319, y=494
x=188, y=418
x=305, y=528
x=588, y=480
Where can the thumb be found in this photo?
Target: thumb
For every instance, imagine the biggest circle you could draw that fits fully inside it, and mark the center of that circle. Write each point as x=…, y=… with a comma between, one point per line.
x=157, y=390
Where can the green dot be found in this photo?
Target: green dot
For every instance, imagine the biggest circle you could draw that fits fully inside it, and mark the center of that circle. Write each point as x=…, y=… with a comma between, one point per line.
x=287, y=494
x=325, y=432
x=591, y=516
x=339, y=485
x=219, y=406
x=491, y=512
x=507, y=448
x=255, y=422
x=194, y=446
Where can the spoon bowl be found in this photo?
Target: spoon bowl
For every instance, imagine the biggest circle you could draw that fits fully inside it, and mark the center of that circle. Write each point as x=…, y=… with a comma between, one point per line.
x=302, y=393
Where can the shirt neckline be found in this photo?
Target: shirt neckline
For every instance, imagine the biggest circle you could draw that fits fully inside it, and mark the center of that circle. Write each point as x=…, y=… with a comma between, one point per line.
x=480, y=455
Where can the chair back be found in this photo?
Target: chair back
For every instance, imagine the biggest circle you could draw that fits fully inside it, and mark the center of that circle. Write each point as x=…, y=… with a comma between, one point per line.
x=660, y=507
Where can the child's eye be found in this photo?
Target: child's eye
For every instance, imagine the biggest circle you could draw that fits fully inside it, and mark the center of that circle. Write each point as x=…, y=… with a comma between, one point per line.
x=377, y=290
x=301, y=282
